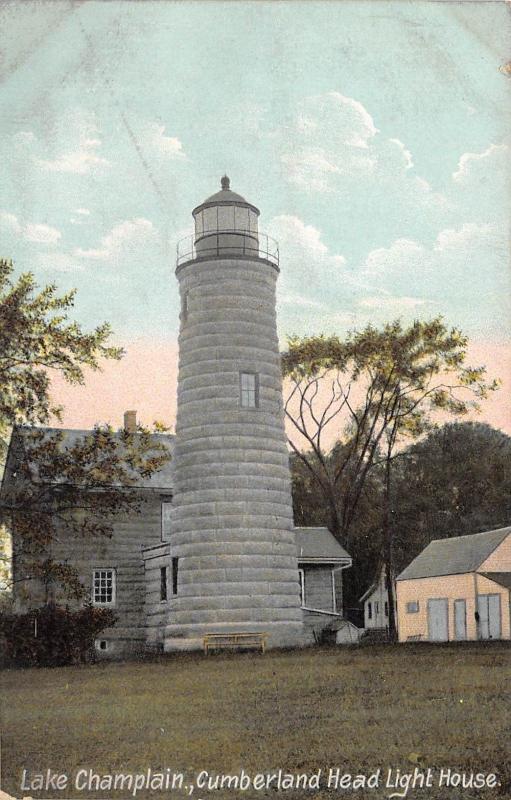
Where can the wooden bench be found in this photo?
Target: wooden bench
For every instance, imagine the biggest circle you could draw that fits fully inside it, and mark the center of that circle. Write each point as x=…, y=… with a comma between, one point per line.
x=235, y=641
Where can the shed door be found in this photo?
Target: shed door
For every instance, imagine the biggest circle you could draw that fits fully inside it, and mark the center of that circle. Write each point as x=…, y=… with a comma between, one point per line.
x=460, y=619
x=438, y=625
x=488, y=606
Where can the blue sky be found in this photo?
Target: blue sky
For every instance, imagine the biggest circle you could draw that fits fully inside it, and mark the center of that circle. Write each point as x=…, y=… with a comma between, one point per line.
x=373, y=136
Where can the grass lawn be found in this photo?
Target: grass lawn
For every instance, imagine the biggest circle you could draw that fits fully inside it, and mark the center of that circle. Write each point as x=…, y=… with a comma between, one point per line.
x=357, y=709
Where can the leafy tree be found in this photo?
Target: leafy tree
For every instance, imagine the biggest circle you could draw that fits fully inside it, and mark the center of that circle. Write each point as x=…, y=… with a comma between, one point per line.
x=73, y=488
x=63, y=487
x=456, y=481
x=37, y=339
x=375, y=389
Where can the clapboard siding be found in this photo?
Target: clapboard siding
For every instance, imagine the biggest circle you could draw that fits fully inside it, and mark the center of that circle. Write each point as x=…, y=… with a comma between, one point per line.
x=318, y=587
x=123, y=553
x=155, y=609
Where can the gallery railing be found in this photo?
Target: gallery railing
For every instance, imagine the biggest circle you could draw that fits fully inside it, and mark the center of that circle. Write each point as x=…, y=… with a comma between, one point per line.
x=227, y=243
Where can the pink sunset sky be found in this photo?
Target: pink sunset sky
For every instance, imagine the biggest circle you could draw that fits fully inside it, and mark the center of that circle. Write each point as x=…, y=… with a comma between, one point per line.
x=146, y=379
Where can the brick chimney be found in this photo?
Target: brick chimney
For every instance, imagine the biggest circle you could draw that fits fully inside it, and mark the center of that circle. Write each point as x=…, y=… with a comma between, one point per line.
x=130, y=421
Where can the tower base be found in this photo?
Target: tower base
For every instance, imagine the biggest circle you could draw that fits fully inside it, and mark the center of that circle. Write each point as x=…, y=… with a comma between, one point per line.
x=179, y=638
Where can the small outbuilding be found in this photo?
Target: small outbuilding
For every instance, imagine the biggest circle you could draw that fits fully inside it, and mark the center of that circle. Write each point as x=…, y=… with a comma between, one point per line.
x=376, y=604
x=457, y=589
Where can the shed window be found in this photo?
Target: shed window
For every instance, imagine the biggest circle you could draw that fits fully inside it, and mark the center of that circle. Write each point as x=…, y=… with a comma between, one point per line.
x=163, y=584
x=103, y=587
x=175, y=569
x=413, y=607
x=249, y=390
x=301, y=574
x=386, y=609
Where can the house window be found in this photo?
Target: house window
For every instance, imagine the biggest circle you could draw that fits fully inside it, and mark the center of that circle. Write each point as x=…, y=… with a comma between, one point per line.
x=386, y=609
x=376, y=608
x=249, y=390
x=103, y=587
x=301, y=574
x=175, y=569
x=166, y=508
x=163, y=584
x=412, y=608
x=369, y=611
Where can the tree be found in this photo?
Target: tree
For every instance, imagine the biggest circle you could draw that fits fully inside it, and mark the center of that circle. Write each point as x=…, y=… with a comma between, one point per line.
x=377, y=388
x=64, y=488
x=73, y=488
x=455, y=481
x=37, y=339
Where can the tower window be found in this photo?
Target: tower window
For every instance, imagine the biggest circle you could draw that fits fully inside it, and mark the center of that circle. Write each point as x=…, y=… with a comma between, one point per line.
x=163, y=584
x=184, y=305
x=103, y=587
x=249, y=390
x=175, y=569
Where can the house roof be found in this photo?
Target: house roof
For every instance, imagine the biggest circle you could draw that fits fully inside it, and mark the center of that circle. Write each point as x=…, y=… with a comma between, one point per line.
x=161, y=480
x=503, y=578
x=319, y=545
x=454, y=556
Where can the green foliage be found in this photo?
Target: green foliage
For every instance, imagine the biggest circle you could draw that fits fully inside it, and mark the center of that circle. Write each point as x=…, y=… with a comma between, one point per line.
x=36, y=339
x=73, y=488
x=52, y=636
x=454, y=482
x=370, y=392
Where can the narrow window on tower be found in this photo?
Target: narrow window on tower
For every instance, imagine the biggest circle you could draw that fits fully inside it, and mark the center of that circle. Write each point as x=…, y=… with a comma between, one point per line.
x=184, y=305
x=175, y=568
x=249, y=390
x=163, y=584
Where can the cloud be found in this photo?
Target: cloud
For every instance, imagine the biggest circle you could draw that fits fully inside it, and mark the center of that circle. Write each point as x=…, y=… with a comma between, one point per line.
x=463, y=270
x=39, y=233
x=59, y=262
x=124, y=238
x=331, y=145
x=42, y=234
x=153, y=135
x=477, y=164
x=75, y=141
x=392, y=304
x=80, y=161
x=83, y=211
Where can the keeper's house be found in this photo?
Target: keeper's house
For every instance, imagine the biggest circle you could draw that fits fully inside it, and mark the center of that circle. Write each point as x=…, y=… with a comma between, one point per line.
x=457, y=589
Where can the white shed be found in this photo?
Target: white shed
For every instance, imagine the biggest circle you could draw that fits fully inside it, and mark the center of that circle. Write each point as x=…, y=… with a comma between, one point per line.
x=376, y=604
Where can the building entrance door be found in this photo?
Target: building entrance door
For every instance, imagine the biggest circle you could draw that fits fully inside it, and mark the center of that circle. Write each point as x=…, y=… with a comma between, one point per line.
x=438, y=620
x=488, y=606
x=460, y=620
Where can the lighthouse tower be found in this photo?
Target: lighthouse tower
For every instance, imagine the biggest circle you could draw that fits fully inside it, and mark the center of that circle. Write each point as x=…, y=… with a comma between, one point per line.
x=233, y=550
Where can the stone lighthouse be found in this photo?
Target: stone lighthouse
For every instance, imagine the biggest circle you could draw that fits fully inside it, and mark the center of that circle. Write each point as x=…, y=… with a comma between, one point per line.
x=232, y=544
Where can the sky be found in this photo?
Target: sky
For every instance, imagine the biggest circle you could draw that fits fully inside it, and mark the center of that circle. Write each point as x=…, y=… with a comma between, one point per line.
x=372, y=135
